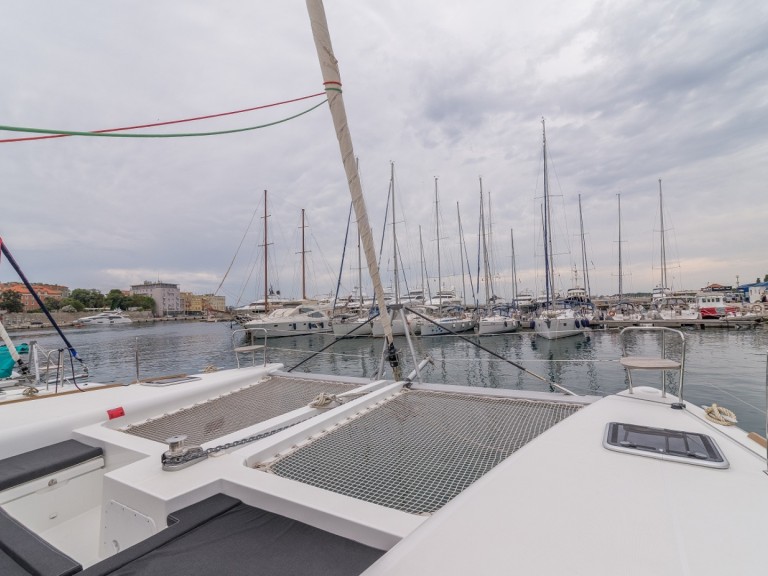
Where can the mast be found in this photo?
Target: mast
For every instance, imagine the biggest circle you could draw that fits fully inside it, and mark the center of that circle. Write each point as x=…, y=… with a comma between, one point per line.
x=421, y=254
x=332, y=82
x=485, y=246
x=303, y=269
x=546, y=215
x=439, y=270
x=584, y=263
x=514, y=268
x=663, y=247
x=621, y=272
x=266, y=280
x=394, y=230
x=462, y=253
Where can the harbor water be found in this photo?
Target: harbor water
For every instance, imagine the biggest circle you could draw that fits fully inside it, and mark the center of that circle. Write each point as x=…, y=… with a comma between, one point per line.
x=724, y=366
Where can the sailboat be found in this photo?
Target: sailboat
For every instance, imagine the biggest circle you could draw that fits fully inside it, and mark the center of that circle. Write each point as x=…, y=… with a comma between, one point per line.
x=297, y=318
x=258, y=469
x=557, y=318
x=664, y=304
x=623, y=310
x=494, y=321
x=445, y=314
x=400, y=323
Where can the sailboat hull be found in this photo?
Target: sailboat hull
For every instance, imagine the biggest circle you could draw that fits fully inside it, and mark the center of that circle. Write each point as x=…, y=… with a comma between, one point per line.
x=554, y=327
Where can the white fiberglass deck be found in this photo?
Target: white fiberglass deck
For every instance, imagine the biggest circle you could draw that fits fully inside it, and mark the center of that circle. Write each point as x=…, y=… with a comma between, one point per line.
x=564, y=504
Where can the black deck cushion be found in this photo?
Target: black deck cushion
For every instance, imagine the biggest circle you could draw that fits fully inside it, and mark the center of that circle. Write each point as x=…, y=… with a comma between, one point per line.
x=34, y=464
x=23, y=553
x=241, y=540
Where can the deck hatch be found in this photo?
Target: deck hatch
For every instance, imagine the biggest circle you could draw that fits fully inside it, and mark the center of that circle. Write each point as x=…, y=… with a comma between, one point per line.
x=420, y=449
x=665, y=444
x=240, y=409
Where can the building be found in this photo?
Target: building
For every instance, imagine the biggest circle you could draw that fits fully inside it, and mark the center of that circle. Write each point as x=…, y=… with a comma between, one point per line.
x=167, y=297
x=201, y=303
x=44, y=291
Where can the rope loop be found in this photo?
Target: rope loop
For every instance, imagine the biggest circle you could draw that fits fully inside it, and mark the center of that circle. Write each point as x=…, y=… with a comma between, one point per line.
x=324, y=400
x=720, y=415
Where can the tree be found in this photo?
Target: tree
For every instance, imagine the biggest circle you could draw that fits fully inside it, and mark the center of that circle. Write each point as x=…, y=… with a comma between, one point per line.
x=52, y=303
x=140, y=301
x=10, y=301
x=89, y=298
x=71, y=302
x=116, y=299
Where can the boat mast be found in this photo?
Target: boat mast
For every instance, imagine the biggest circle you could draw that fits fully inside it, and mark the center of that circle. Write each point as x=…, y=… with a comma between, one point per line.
x=514, y=268
x=462, y=254
x=303, y=268
x=439, y=270
x=423, y=266
x=485, y=246
x=621, y=272
x=266, y=280
x=394, y=230
x=663, y=247
x=549, y=272
x=584, y=263
x=332, y=82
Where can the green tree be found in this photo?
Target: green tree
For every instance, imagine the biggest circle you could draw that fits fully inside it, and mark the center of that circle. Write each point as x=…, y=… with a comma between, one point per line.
x=76, y=304
x=140, y=301
x=52, y=303
x=116, y=299
x=10, y=301
x=89, y=298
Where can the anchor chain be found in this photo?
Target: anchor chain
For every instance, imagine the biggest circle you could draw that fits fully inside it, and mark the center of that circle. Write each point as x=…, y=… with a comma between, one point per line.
x=178, y=456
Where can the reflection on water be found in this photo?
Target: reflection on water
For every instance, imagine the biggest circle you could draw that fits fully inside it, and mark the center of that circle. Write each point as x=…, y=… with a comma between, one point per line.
x=723, y=366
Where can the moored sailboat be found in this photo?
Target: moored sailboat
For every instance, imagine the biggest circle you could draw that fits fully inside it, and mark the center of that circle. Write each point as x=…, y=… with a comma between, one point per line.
x=558, y=318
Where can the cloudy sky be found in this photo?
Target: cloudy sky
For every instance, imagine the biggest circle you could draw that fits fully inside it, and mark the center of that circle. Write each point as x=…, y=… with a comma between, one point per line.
x=632, y=92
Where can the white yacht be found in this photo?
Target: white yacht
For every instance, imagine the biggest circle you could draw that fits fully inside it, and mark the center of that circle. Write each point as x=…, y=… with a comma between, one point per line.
x=112, y=317
x=292, y=321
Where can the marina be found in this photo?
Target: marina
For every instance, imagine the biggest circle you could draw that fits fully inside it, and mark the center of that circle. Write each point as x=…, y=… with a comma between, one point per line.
x=281, y=447
x=724, y=366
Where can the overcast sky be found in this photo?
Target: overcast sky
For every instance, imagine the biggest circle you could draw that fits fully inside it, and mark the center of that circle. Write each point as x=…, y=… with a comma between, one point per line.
x=632, y=92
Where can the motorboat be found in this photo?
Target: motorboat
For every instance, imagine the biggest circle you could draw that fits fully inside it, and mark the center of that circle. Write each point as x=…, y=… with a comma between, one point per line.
x=116, y=316
x=713, y=305
x=292, y=321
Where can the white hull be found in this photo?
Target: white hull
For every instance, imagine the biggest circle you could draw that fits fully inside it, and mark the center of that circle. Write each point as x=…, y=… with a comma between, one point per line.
x=497, y=325
x=398, y=328
x=553, y=327
x=352, y=328
x=105, y=318
x=446, y=326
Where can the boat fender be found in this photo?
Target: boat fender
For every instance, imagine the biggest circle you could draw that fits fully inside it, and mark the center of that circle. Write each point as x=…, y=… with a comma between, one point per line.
x=548, y=322
x=505, y=324
x=533, y=324
x=585, y=322
x=611, y=313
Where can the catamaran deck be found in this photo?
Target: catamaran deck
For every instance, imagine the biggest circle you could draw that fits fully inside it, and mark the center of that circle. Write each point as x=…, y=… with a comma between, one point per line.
x=402, y=470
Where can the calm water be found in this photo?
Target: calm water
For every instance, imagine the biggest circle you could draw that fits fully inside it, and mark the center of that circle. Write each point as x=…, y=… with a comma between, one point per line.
x=723, y=366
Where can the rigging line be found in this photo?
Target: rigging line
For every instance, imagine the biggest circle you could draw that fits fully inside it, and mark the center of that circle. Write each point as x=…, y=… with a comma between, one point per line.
x=236, y=252
x=499, y=356
x=324, y=348
x=172, y=135
x=168, y=122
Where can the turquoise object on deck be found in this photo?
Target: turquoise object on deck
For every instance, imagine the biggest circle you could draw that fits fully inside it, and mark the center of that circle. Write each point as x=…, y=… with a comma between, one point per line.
x=6, y=360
